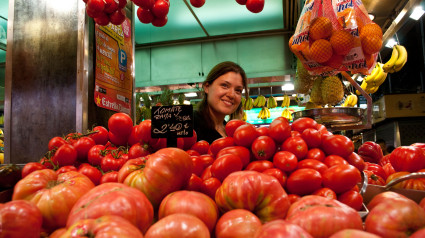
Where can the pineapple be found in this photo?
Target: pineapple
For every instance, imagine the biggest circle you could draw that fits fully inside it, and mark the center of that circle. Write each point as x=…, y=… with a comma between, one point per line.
x=303, y=79
x=332, y=90
x=316, y=92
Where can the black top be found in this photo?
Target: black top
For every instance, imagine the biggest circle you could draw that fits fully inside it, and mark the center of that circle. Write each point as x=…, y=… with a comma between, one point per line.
x=203, y=132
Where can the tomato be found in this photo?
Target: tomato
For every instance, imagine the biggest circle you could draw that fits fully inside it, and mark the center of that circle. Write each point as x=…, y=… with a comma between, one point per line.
x=295, y=145
x=195, y=183
x=144, y=15
x=91, y=172
x=281, y=228
x=337, y=145
x=66, y=168
x=102, y=227
x=221, y=143
x=312, y=164
x=325, y=192
x=384, y=197
x=259, y=165
x=303, y=123
x=120, y=127
x=352, y=199
x=419, y=145
x=243, y=153
x=417, y=184
x=65, y=155
x=278, y=174
x=53, y=194
x=146, y=4
x=389, y=169
x=193, y=152
x=56, y=142
x=322, y=128
x=304, y=181
x=198, y=165
x=263, y=131
x=95, y=5
x=373, y=178
x=113, y=161
x=210, y=187
x=109, y=177
x=356, y=160
x=237, y=223
x=241, y=2
x=316, y=154
x=341, y=177
x=99, y=135
x=72, y=137
x=31, y=167
x=376, y=169
x=186, y=143
x=353, y=233
x=293, y=198
x=47, y=163
x=312, y=137
x=201, y=146
x=295, y=133
x=225, y=165
x=255, y=6
x=259, y=193
x=408, y=158
x=232, y=125
x=108, y=199
x=178, y=225
x=370, y=152
x=110, y=6
x=279, y=130
x=20, y=218
x=130, y=166
x=385, y=160
x=207, y=173
x=245, y=134
x=96, y=154
x=141, y=134
x=263, y=147
x=190, y=202
x=322, y=217
x=160, y=8
x=207, y=160
x=197, y=3
x=285, y=161
x=332, y=160
x=82, y=146
x=169, y=164
x=137, y=150
x=418, y=234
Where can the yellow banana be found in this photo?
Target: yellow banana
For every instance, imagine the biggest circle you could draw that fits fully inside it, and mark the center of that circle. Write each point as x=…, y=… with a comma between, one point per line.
x=390, y=63
x=260, y=114
x=268, y=112
x=373, y=74
x=380, y=79
x=256, y=101
x=263, y=101
x=243, y=102
x=354, y=100
x=402, y=57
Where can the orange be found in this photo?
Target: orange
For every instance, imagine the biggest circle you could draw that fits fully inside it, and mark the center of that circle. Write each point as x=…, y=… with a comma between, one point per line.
x=371, y=44
x=290, y=42
x=370, y=61
x=321, y=51
x=335, y=62
x=370, y=29
x=342, y=42
x=320, y=28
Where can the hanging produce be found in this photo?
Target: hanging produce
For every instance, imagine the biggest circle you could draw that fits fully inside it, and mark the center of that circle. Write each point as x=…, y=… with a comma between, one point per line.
x=397, y=61
x=153, y=12
x=106, y=11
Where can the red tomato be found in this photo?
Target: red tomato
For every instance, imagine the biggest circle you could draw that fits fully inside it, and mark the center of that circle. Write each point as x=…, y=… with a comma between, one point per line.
x=160, y=8
x=259, y=165
x=263, y=131
x=130, y=166
x=285, y=161
x=201, y=146
x=389, y=169
x=370, y=152
x=195, y=183
x=376, y=169
x=117, y=17
x=232, y=125
x=373, y=178
x=110, y=177
x=295, y=145
x=245, y=134
x=221, y=143
x=243, y=153
x=225, y=165
x=353, y=233
x=210, y=186
x=95, y=5
x=293, y=198
x=325, y=192
x=312, y=164
x=113, y=161
x=120, y=126
x=56, y=142
x=96, y=154
x=20, y=218
x=82, y=146
x=420, y=145
x=110, y=6
x=108, y=199
x=332, y=160
x=321, y=128
x=316, y=154
x=279, y=130
x=356, y=160
x=408, y=158
x=193, y=152
x=304, y=181
x=341, y=178
x=137, y=150
x=197, y=3
x=146, y=4
x=263, y=147
x=303, y=123
x=295, y=133
x=198, y=165
x=194, y=203
x=65, y=155
x=100, y=135
x=255, y=6
x=414, y=183
x=337, y=145
x=278, y=174
x=241, y=2
x=144, y=15
x=385, y=160
x=31, y=167
x=186, y=143
x=237, y=223
x=91, y=172
x=178, y=225
x=207, y=160
x=159, y=22
x=47, y=163
x=312, y=137
x=207, y=173
x=281, y=228
x=352, y=199
x=66, y=168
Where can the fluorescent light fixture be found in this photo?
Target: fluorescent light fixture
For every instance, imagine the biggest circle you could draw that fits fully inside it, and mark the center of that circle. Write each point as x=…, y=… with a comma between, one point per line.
x=288, y=87
x=390, y=43
x=400, y=16
x=294, y=95
x=190, y=95
x=417, y=13
x=371, y=16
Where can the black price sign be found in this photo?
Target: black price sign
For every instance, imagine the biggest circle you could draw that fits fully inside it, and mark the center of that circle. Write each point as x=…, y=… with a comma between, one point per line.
x=172, y=121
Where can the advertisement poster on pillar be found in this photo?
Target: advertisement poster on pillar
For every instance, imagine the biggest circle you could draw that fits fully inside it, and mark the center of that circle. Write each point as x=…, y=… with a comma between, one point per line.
x=113, y=72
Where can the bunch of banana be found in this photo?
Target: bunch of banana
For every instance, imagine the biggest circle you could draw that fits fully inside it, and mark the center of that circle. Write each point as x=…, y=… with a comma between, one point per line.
x=372, y=82
x=397, y=60
x=264, y=113
x=350, y=101
x=286, y=101
x=247, y=104
x=260, y=101
x=286, y=113
x=271, y=102
x=244, y=116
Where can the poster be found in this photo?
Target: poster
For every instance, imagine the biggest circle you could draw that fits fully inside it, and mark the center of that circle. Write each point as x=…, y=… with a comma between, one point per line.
x=113, y=69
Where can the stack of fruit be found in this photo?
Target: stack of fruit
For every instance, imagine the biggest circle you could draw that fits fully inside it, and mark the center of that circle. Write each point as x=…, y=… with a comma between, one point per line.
x=153, y=12
x=106, y=11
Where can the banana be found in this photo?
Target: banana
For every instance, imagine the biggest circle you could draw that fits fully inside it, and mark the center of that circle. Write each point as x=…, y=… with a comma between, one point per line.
x=402, y=57
x=390, y=63
x=256, y=101
x=286, y=101
x=263, y=101
x=354, y=101
x=375, y=72
x=350, y=101
x=243, y=102
x=287, y=114
x=244, y=116
x=380, y=79
x=260, y=114
x=268, y=112
x=271, y=102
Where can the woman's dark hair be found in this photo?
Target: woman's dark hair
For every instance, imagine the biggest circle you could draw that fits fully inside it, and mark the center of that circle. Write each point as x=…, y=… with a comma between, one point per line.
x=217, y=71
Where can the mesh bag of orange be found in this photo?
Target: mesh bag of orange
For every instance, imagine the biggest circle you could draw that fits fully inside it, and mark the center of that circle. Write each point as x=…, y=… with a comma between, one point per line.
x=334, y=36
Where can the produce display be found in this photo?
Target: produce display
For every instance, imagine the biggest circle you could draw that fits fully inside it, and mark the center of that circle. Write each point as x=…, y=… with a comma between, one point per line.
x=286, y=179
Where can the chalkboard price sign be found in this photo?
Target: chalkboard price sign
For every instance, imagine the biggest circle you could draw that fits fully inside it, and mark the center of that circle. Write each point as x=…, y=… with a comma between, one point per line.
x=172, y=121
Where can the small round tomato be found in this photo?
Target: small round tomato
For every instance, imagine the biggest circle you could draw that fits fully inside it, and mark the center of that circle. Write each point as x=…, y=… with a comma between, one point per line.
x=95, y=154
x=113, y=161
x=263, y=131
x=245, y=134
x=341, y=177
x=304, y=181
x=356, y=160
x=137, y=150
x=66, y=168
x=263, y=147
x=91, y=172
x=337, y=145
x=201, y=146
x=232, y=125
x=198, y=165
x=352, y=199
x=285, y=161
x=295, y=133
x=373, y=178
x=65, y=155
x=278, y=174
x=120, y=126
x=31, y=167
x=56, y=142
x=303, y=123
x=312, y=137
x=225, y=165
x=195, y=183
x=325, y=192
x=82, y=146
x=293, y=198
x=243, y=153
x=332, y=160
x=221, y=143
x=280, y=130
x=193, y=152
x=110, y=177
x=376, y=169
x=210, y=187
x=99, y=135
x=295, y=145
x=207, y=173
x=259, y=165
x=316, y=154
x=312, y=164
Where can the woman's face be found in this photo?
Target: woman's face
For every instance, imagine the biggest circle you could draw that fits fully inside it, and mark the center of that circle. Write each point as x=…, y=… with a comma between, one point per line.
x=224, y=94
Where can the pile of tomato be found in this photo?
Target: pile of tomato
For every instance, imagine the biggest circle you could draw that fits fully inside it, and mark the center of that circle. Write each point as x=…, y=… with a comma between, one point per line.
x=283, y=179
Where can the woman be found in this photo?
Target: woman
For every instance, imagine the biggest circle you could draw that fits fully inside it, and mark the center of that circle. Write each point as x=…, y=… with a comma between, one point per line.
x=222, y=93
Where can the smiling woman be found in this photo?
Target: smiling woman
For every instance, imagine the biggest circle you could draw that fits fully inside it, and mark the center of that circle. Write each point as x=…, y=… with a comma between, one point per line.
x=221, y=97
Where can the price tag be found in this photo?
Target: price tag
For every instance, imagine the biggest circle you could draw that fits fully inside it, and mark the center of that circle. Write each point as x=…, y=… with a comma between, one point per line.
x=172, y=121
